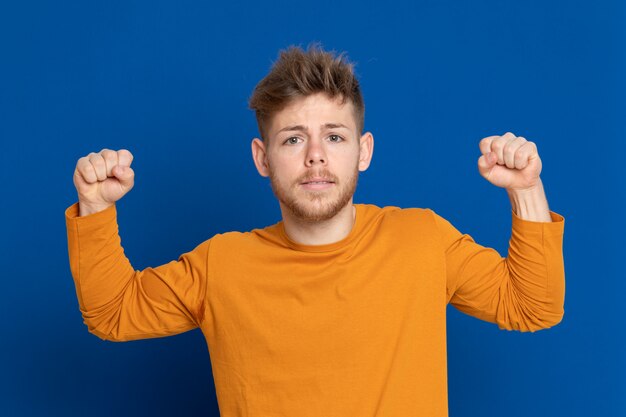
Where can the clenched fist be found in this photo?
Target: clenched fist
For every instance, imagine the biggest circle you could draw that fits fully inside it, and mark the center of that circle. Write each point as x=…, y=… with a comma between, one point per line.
x=509, y=162
x=102, y=178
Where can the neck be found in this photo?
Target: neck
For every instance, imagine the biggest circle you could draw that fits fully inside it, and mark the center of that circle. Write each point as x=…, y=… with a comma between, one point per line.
x=322, y=232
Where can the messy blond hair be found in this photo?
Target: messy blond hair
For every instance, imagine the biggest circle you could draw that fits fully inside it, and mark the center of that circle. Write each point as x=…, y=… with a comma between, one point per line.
x=299, y=73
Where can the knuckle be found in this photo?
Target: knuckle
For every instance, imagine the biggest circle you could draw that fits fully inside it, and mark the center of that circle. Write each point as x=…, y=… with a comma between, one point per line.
x=124, y=154
x=107, y=153
x=82, y=168
x=88, y=174
x=485, y=143
x=110, y=158
x=530, y=147
x=97, y=161
x=511, y=147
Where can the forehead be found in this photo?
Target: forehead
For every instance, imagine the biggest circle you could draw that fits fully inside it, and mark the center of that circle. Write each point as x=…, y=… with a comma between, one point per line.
x=313, y=111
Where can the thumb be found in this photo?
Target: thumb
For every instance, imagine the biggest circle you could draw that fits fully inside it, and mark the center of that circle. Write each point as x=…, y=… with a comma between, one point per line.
x=486, y=163
x=125, y=175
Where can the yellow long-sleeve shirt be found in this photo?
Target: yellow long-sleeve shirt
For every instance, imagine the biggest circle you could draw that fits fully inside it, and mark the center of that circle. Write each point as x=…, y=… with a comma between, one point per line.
x=352, y=328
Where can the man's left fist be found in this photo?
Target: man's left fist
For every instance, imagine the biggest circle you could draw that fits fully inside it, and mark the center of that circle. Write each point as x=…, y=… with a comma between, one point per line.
x=509, y=161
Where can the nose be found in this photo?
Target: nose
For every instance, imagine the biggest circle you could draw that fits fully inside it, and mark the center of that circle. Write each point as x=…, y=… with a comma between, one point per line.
x=316, y=154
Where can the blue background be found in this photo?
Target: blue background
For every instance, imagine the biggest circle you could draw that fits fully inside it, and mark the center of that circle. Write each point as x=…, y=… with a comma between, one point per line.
x=170, y=82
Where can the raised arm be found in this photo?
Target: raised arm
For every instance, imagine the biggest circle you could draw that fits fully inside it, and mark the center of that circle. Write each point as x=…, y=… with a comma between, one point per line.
x=117, y=302
x=524, y=291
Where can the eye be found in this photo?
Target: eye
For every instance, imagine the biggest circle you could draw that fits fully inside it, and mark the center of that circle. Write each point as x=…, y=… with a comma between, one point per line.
x=292, y=140
x=335, y=138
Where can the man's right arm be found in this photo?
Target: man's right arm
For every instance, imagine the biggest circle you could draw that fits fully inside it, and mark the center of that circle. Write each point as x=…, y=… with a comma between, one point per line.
x=117, y=302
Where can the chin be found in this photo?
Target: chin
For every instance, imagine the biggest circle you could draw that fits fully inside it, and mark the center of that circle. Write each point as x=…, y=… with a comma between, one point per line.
x=316, y=210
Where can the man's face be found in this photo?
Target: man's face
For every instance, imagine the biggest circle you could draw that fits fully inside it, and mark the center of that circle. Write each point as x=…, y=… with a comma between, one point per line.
x=313, y=157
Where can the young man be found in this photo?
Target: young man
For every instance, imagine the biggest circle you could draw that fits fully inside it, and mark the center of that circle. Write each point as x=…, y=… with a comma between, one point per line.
x=340, y=308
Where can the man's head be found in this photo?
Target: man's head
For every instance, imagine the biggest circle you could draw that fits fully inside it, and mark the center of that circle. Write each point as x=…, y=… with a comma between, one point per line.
x=311, y=148
x=299, y=73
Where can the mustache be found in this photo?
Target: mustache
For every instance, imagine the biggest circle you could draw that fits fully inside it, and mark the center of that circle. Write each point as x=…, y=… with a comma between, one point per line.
x=320, y=174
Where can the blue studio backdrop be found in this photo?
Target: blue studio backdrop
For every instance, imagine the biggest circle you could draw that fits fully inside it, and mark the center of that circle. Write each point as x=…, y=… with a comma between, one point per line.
x=170, y=81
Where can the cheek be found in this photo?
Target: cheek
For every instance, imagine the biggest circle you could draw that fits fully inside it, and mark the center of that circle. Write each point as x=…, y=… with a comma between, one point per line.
x=283, y=168
x=348, y=159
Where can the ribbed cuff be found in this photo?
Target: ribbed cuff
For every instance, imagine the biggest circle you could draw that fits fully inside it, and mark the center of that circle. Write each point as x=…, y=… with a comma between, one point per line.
x=554, y=228
x=91, y=221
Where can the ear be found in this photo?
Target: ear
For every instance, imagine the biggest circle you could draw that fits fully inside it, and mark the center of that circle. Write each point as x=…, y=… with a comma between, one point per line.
x=259, y=156
x=366, y=150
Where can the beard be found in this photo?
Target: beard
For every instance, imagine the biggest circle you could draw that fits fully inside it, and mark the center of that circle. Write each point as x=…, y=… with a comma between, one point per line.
x=313, y=205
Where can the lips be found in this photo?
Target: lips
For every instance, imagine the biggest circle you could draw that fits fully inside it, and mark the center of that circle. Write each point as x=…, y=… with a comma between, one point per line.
x=318, y=182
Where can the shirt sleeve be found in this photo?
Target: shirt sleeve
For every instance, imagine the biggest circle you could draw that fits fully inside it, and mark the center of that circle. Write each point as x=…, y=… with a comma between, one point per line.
x=524, y=291
x=119, y=303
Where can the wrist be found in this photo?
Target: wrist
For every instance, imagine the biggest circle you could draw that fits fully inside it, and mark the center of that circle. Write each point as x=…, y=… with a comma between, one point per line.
x=535, y=190
x=85, y=209
x=530, y=203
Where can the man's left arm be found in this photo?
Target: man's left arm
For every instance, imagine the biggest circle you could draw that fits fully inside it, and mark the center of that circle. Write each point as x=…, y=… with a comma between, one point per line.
x=524, y=291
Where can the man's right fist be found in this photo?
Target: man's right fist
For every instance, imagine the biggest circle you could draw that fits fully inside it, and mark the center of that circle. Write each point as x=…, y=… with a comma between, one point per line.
x=102, y=178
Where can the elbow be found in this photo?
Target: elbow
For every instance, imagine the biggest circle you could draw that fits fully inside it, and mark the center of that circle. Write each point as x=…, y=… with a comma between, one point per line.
x=531, y=321
x=546, y=314
x=104, y=326
x=546, y=321
x=525, y=310
x=109, y=336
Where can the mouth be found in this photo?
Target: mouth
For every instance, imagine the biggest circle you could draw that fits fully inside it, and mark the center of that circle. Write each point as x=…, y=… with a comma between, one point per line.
x=317, y=184
x=318, y=180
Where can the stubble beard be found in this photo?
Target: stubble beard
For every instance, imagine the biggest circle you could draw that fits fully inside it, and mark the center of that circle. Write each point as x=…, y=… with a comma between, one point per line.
x=314, y=206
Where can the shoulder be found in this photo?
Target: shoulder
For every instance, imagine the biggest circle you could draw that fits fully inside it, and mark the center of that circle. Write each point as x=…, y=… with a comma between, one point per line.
x=395, y=214
x=400, y=222
x=236, y=240
x=413, y=227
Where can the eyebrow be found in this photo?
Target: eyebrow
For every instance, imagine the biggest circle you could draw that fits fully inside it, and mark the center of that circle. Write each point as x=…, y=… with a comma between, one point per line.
x=302, y=128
